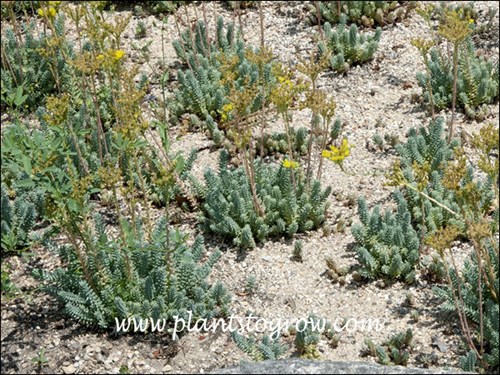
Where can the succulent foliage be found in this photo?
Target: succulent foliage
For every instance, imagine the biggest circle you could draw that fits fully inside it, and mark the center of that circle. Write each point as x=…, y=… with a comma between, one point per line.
x=363, y=13
x=394, y=351
x=229, y=212
x=477, y=80
x=307, y=337
x=423, y=159
x=387, y=244
x=200, y=89
x=138, y=279
x=18, y=217
x=267, y=349
x=28, y=67
x=346, y=47
x=467, y=283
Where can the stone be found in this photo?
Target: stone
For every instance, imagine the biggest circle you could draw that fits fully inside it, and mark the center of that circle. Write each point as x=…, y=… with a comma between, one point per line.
x=381, y=284
x=303, y=366
x=441, y=345
x=356, y=276
x=69, y=369
x=167, y=368
x=74, y=345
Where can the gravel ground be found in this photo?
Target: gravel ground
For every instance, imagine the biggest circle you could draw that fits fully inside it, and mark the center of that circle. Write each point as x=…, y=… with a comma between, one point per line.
x=376, y=97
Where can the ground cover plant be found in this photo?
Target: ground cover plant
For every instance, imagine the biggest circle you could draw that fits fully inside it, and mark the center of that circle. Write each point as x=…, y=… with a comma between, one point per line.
x=363, y=13
x=199, y=166
x=347, y=47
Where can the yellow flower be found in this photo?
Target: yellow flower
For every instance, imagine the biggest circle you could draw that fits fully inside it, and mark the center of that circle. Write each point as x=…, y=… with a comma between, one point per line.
x=50, y=12
x=337, y=155
x=290, y=164
x=110, y=58
x=345, y=148
x=54, y=3
x=284, y=80
x=225, y=111
x=118, y=54
x=227, y=107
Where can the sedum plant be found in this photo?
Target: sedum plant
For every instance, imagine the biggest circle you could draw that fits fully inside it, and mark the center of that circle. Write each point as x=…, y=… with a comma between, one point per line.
x=96, y=124
x=18, y=218
x=363, y=13
x=267, y=349
x=141, y=8
x=432, y=174
x=203, y=88
x=394, y=351
x=387, y=245
x=13, y=9
x=307, y=337
x=476, y=85
x=422, y=161
x=229, y=210
x=347, y=47
x=472, y=185
x=324, y=129
x=277, y=142
x=241, y=4
x=467, y=282
x=30, y=65
x=473, y=292
x=482, y=21
x=298, y=251
x=135, y=278
x=308, y=334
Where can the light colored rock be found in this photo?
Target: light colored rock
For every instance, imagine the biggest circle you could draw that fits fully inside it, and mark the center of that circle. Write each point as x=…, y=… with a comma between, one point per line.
x=167, y=368
x=302, y=366
x=69, y=369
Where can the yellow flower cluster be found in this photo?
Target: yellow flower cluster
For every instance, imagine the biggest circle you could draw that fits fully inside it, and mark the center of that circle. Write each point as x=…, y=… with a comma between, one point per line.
x=110, y=57
x=118, y=54
x=337, y=155
x=226, y=111
x=51, y=11
x=454, y=28
x=285, y=80
x=285, y=92
x=290, y=164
